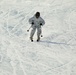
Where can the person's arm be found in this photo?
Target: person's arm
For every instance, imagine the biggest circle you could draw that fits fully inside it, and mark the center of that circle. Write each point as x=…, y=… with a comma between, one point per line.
x=31, y=21
x=42, y=22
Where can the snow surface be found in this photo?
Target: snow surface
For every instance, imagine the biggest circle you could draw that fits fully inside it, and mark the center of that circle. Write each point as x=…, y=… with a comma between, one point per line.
x=55, y=54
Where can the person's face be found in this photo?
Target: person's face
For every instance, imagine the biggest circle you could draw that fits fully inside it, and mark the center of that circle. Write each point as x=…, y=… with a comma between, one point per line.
x=37, y=15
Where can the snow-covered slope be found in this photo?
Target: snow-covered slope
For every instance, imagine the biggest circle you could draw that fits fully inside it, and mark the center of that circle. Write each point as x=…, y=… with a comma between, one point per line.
x=55, y=54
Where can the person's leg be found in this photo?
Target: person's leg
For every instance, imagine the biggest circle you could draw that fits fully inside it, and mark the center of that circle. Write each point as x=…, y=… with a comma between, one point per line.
x=32, y=33
x=38, y=33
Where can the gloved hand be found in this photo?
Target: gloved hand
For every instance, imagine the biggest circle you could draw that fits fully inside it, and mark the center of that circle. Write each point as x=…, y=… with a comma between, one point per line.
x=32, y=23
x=40, y=24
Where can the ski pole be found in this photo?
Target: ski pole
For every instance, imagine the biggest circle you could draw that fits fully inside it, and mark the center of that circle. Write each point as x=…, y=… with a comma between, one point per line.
x=29, y=29
x=41, y=33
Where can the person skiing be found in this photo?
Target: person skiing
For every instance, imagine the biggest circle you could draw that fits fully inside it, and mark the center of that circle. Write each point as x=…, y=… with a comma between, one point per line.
x=36, y=22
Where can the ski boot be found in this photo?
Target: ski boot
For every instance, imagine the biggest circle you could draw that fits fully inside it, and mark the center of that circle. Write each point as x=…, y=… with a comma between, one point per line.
x=38, y=39
x=31, y=39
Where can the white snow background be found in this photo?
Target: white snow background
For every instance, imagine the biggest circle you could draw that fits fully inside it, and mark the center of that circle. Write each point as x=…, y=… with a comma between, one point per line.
x=55, y=54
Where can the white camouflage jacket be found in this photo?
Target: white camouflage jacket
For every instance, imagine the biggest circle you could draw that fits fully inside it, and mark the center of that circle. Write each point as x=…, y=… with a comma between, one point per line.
x=36, y=21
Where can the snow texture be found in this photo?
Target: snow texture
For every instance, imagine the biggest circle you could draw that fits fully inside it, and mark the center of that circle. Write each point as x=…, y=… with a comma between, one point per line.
x=55, y=54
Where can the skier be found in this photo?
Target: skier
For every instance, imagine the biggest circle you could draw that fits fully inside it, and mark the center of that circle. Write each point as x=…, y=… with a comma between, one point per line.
x=36, y=22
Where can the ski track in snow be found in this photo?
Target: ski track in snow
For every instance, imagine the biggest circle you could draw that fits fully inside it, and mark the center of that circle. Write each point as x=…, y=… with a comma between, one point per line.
x=55, y=54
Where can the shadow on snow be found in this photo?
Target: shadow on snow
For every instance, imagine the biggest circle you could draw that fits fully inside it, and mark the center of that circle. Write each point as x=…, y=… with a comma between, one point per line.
x=50, y=42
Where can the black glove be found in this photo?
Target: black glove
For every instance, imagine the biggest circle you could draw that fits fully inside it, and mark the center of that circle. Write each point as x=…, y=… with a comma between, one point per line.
x=32, y=23
x=40, y=24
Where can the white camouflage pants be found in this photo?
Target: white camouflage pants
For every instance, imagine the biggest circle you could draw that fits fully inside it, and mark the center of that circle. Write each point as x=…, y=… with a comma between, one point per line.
x=33, y=31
